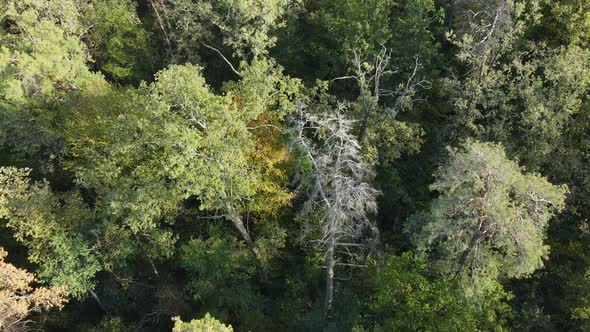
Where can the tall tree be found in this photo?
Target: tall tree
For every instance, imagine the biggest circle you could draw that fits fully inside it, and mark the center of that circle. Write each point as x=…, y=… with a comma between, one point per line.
x=339, y=196
x=320, y=36
x=245, y=26
x=408, y=297
x=52, y=226
x=490, y=219
x=187, y=142
x=42, y=64
x=508, y=89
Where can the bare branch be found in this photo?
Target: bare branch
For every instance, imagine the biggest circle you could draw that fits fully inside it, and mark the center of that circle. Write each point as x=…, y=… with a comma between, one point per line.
x=224, y=58
x=337, y=190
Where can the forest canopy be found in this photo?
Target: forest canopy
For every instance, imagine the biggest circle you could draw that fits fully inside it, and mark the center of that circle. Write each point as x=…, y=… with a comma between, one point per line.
x=294, y=165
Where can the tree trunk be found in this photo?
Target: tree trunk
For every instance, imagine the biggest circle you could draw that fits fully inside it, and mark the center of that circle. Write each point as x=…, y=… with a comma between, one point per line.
x=364, y=120
x=232, y=214
x=160, y=21
x=239, y=225
x=330, y=274
x=476, y=236
x=99, y=302
x=154, y=268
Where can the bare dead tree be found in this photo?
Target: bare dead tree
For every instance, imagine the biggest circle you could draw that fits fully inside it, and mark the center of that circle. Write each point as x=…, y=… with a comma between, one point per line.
x=369, y=75
x=337, y=189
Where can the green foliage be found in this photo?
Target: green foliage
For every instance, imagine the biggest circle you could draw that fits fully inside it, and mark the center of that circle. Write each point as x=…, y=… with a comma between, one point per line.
x=387, y=140
x=190, y=28
x=41, y=53
x=402, y=25
x=154, y=193
x=319, y=40
x=414, y=26
x=577, y=298
x=205, y=324
x=42, y=61
x=52, y=228
x=119, y=45
x=248, y=29
x=490, y=220
x=217, y=264
x=220, y=271
x=109, y=161
x=110, y=325
x=408, y=298
x=564, y=22
x=410, y=301
x=245, y=26
x=568, y=263
x=187, y=141
x=514, y=88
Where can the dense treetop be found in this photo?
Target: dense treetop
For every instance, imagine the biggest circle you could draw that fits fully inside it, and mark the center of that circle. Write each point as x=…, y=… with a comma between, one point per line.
x=302, y=165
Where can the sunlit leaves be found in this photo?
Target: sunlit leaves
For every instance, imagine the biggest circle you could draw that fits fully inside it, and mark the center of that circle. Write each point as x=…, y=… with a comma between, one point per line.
x=53, y=227
x=490, y=219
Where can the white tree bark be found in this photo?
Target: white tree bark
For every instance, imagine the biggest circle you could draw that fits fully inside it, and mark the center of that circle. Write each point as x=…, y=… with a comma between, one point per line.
x=336, y=188
x=330, y=263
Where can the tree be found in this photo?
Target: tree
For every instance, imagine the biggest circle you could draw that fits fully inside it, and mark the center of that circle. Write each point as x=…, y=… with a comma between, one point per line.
x=339, y=197
x=18, y=298
x=383, y=136
x=525, y=86
x=562, y=289
x=369, y=76
x=52, y=228
x=564, y=22
x=188, y=143
x=199, y=150
x=407, y=297
x=205, y=324
x=245, y=26
x=118, y=43
x=219, y=184
x=320, y=36
x=221, y=274
x=42, y=63
x=509, y=90
x=490, y=219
